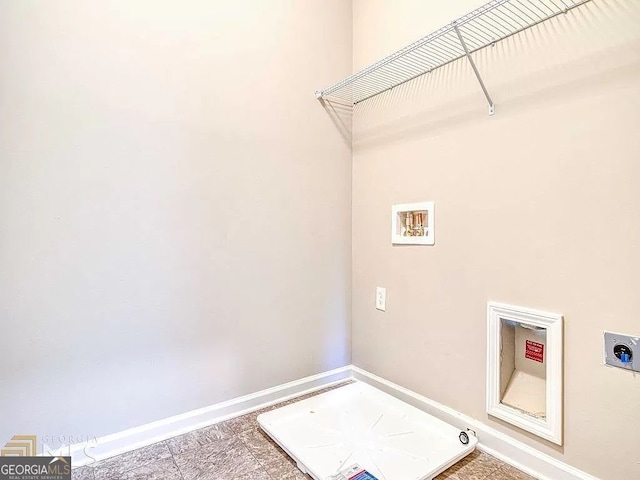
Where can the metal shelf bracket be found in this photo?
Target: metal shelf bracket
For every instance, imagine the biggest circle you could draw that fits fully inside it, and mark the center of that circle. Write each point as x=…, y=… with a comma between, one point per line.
x=492, y=107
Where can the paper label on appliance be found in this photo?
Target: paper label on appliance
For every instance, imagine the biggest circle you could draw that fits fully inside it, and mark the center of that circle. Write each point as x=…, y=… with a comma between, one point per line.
x=354, y=472
x=534, y=351
x=363, y=475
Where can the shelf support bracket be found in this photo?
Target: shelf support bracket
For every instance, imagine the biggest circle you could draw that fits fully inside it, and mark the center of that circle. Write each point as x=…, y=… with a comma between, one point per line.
x=492, y=107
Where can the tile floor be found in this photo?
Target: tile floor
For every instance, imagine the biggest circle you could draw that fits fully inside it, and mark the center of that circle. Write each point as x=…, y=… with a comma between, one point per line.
x=238, y=450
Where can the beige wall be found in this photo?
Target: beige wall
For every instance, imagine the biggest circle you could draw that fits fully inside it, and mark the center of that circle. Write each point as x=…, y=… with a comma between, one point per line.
x=174, y=207
x=536, y=206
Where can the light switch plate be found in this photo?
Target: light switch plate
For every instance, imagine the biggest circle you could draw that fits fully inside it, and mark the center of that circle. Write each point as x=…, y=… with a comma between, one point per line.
x=381, y=298
x=622, y=351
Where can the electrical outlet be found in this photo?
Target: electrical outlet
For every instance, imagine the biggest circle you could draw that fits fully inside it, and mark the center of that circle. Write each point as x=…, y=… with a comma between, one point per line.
x=622, y=351
x=381, y=298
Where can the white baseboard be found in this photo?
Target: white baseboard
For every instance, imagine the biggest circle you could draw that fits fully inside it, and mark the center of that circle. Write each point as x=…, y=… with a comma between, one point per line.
x=491, y=441
x=121, y=442
x=501, y=446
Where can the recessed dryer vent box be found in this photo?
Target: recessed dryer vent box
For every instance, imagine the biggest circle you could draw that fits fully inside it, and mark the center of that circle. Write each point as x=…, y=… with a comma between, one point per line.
x=412, y=224
x=524, y=369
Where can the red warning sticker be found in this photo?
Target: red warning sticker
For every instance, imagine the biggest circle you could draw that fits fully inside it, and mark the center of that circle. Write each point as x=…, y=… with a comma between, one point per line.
x=534, y=351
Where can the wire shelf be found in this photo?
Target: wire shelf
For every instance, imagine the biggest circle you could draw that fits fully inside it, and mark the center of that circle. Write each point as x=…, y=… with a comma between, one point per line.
x=480, y=28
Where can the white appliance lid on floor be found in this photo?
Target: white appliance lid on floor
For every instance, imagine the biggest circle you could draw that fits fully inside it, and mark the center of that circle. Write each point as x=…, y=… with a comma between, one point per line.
x=359, y=424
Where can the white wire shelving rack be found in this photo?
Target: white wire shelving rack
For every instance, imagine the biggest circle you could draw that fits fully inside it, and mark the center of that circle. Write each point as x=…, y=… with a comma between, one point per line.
x=478, y=29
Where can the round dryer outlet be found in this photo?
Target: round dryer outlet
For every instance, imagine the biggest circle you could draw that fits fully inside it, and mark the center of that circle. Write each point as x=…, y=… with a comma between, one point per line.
x=623, y=353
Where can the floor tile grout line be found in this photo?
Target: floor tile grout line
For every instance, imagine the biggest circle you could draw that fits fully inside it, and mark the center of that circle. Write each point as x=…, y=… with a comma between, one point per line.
x=262, y=467
x=263, y=464
x=175, y=461
x=94, y=468
x=489, y=475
